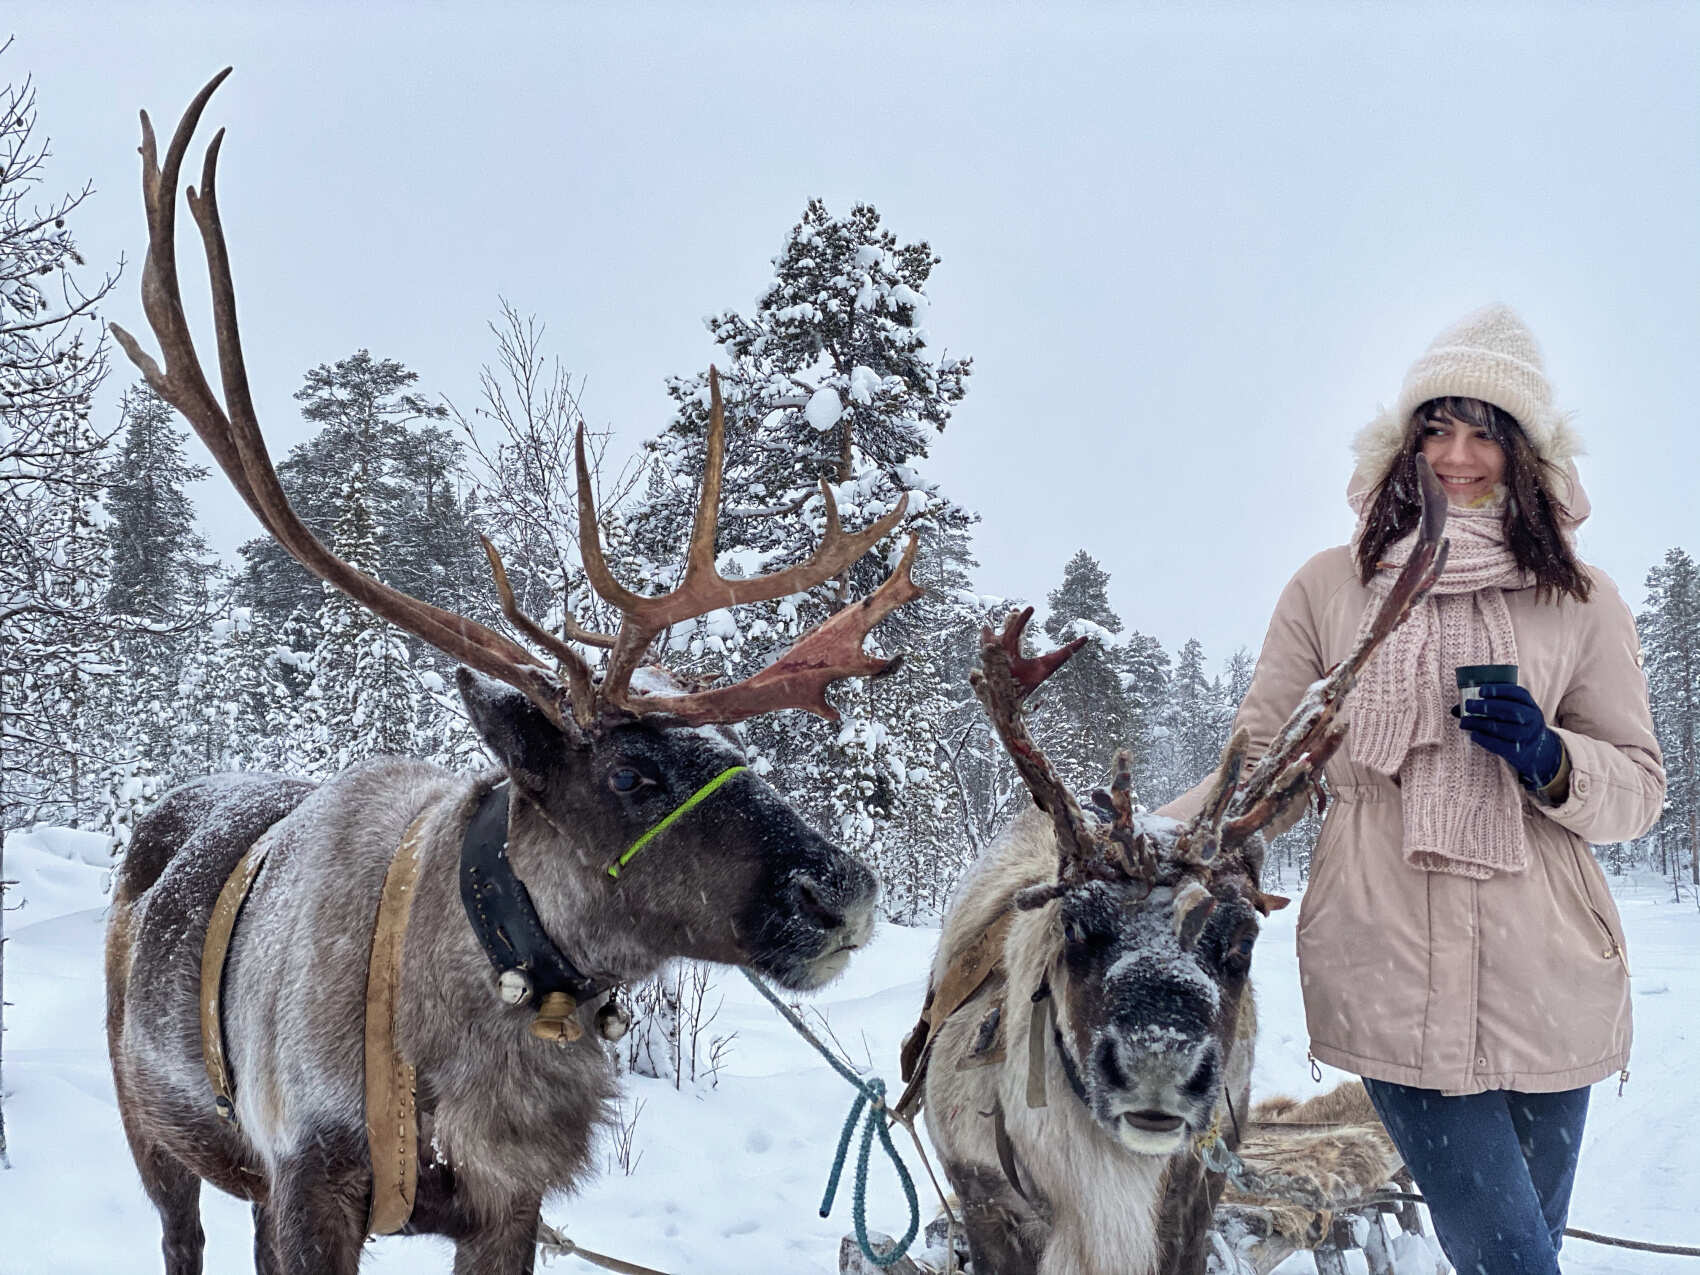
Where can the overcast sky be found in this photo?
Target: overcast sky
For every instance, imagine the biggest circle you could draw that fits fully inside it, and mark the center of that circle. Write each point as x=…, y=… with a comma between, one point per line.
x=1190, y=248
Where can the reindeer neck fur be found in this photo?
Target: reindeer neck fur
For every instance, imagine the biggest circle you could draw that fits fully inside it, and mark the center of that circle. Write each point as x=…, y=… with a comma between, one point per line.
x=505, y=1111
x=1102, y=1210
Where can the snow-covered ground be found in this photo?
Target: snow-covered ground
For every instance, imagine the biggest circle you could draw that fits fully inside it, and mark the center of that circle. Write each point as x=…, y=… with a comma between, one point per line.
x=729, y=1180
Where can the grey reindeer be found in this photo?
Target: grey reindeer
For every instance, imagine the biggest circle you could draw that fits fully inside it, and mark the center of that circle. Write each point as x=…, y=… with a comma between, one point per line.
x=497, y=1117
x=1090, y=1027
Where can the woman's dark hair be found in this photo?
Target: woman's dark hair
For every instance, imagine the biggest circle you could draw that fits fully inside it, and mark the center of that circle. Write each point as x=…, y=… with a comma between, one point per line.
x=1531, y=515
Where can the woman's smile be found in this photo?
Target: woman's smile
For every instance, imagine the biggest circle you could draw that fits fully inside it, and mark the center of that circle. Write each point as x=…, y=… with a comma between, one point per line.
x=1466, y=459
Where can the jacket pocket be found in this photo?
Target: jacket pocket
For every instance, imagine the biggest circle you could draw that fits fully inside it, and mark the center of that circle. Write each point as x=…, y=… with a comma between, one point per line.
x=1613, y=940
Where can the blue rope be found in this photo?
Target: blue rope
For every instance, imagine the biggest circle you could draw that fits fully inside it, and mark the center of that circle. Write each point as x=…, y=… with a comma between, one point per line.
x=870, y=1095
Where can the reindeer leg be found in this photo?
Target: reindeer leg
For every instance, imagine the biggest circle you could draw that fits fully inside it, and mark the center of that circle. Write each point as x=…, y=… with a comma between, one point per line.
x=176, y=1193
x=993, y=1217
x=317, y=1210
x=265, y=1256
x=174, y=1189
x=507, y=1248
x=1184, y=1223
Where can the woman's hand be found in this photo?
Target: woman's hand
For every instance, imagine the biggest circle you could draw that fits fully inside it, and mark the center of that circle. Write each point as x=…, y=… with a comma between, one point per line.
x=1506, y=721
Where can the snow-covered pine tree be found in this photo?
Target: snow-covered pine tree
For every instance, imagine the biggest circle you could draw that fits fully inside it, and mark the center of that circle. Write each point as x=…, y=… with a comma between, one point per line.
x=921, y=711
x=439, y=560
x=363, y=407
x=135, y=788
x=52, y=358
x=201, y=741
x=1197, y=717
x=362, y=701
x=1670, y=639
x=833, y=378
x=159, y=578
x=1236, y=681
x=1144, y=668
x=434, y=546
x=982, y=787
x=1082, y=717
x=377, y=448
x=159, y=567
x=257, y=705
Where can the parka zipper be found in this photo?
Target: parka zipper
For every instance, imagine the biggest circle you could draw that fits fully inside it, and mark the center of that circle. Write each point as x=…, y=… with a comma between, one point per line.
x=1613, y=947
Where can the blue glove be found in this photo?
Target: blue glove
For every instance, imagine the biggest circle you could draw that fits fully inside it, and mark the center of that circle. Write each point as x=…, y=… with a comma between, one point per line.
x=1507, y=721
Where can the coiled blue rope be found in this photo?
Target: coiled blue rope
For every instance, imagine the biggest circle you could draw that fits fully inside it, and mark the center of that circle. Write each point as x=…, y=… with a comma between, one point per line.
x=870, y=1097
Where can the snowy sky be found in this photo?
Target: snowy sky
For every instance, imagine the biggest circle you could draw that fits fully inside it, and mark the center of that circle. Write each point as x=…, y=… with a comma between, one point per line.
x=1190, y=248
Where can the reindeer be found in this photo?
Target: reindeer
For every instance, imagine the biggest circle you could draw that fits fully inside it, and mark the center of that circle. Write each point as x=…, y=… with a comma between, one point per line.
x=1089, y=1028
x=528, y=904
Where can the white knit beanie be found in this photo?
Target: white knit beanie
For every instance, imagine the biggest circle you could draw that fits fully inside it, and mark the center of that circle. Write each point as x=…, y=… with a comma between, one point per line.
x=1490, y=355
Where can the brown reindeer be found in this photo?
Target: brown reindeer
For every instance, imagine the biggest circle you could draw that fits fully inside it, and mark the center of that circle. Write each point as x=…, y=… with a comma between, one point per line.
x=587, y=768
x=1092, y=1027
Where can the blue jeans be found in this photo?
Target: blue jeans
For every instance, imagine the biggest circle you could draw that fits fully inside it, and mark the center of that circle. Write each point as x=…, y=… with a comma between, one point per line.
x=1496, y=1169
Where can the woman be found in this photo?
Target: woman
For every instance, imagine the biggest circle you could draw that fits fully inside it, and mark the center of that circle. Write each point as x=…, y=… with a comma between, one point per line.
x=1458, y=947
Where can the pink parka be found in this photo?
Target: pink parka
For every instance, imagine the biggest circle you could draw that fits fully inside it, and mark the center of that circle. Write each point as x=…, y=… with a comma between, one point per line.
x=1517, y=982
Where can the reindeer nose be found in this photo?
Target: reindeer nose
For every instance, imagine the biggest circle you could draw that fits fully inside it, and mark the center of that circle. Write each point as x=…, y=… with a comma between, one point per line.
x=810, y=898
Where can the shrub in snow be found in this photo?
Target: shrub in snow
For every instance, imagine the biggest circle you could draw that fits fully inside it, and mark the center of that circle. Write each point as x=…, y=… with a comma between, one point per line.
x=671, y=1036
x=135, y=789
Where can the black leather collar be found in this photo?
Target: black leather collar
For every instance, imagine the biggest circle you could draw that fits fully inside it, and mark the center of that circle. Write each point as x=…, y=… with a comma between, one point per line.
x=1070, y=1068
x=502, y=914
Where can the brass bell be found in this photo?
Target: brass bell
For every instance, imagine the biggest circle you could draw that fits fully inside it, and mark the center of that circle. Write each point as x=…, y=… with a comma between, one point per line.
x=555, y=1021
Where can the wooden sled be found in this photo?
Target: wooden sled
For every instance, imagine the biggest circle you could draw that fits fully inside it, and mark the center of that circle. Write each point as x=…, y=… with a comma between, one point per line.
x=1321, y=1161
x=1332, y=1154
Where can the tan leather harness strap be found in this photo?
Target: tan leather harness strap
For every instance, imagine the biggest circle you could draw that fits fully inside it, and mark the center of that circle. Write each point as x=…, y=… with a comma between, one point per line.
x=1040, y=1018
x=392, y=1124
x=964, y=976
x=215, y=948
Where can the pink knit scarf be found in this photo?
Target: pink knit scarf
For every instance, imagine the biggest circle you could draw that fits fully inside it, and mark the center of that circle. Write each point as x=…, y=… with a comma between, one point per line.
x=1462, y=806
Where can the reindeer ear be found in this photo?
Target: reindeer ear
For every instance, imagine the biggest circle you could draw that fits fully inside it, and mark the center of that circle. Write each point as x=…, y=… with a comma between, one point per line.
x=515, y=729
x=1267, y=903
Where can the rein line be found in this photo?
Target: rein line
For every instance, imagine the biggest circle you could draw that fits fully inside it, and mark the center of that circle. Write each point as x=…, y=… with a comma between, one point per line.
x=870, y=1094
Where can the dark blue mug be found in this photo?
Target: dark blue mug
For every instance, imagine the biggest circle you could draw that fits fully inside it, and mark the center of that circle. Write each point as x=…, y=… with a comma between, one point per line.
x=1472, y=677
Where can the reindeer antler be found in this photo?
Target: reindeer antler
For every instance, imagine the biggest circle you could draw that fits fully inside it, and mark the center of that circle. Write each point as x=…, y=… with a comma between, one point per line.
x=827, y=653
x=797, y=679
x=1311, y=734
x=237, y=445
x=1133, y=851
x=1003, y=681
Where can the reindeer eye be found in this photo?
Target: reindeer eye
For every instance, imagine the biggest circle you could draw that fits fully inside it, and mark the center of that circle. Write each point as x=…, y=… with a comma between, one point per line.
x=1238, y=958
x=625, y=779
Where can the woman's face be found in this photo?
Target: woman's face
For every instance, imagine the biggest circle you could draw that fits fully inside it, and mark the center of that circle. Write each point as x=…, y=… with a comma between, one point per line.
x=1465, y=458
